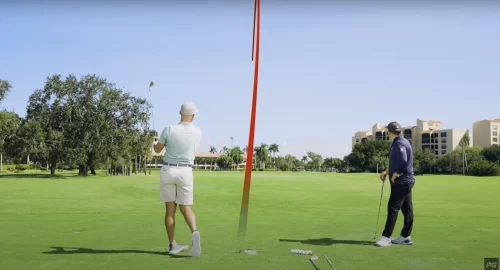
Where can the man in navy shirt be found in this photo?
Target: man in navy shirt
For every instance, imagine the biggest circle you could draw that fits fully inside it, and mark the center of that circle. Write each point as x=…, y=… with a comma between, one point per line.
x=401, y=177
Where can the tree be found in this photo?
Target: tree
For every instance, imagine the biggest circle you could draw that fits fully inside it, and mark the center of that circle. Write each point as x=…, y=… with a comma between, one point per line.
x=236, y=155
x=262, y=155
x=29, y=141
x=9, y=123
x=225, y=151
x=273, y=149
x=328, y=163
x=424, y=160
x=492, y=153
x=87, y=121
x=213, y=150
x=5, y=87
x=224, y=162
x=315, y=160
x=367, y=154
x=484, y=168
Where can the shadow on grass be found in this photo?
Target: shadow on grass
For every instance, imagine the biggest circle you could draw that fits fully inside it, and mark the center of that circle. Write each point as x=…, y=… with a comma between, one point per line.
x=328, y=242
x=72, y=250
x=31, y=175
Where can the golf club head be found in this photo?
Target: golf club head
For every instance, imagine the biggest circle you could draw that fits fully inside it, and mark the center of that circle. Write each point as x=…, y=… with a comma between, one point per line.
x=314, y=264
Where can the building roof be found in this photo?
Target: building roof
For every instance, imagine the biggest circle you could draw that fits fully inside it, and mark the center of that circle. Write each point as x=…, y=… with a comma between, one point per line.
x=491, y=121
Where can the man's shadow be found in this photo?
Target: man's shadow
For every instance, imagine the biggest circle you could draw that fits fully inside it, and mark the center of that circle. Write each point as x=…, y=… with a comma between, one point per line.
x=72, y=250
x=328, y=242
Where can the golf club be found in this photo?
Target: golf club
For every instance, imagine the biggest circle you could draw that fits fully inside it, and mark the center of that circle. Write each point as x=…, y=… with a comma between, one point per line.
x=312, y=259
x=151, y=84
x=329, y=262
x=380, y=203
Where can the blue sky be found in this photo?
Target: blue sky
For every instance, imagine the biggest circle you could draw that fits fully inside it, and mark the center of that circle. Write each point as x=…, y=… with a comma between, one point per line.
x=326, y=70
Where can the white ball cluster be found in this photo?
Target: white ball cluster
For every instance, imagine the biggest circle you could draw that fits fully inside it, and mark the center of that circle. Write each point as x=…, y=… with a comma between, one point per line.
x=301, y=252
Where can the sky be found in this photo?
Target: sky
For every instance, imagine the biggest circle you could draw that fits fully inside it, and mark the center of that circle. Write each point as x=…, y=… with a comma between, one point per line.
x=327, y=69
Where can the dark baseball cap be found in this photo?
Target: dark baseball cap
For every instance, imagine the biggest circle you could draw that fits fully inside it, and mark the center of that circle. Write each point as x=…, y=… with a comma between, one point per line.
x=394, y=127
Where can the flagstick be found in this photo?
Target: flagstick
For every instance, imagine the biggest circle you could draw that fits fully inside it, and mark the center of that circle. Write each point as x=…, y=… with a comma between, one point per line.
x=248, y=169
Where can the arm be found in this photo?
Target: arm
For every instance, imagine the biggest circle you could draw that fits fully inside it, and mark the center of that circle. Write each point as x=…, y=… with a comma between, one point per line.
x=162, y=141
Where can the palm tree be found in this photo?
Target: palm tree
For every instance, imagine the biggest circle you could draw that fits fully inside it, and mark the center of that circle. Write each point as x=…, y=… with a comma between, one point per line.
x=262, y=154
x=213, y=150
x=273, y=149
x=464, y=143
x=225, y=150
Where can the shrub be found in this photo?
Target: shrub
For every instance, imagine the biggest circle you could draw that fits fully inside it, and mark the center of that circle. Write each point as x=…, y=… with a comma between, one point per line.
x=23, y=167
x=484, y=168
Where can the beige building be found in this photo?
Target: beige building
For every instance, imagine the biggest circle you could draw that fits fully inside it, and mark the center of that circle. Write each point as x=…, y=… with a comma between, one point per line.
x=425, y=135
x=486, y=133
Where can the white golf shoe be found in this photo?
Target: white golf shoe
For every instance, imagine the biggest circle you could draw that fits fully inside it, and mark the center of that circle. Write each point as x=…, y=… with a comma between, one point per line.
x=402, y=240
x=383, y=242
x=174, y=249
x=196, y=248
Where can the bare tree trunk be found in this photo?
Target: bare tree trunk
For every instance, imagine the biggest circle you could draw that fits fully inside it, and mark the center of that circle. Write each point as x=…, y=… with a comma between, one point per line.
x=135, y=166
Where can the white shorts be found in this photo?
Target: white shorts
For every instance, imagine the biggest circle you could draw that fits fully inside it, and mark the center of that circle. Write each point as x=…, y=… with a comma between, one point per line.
x=176, y=185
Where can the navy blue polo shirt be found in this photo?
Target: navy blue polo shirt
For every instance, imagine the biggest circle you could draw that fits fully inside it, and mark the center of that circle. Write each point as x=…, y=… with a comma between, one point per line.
x=401, y=160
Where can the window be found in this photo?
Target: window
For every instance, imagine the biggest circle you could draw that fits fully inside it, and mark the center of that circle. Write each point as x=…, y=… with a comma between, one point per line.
x=443, y=152
x=364, y=139
x=443, y=134
x=495, y=140
x=407, y=134
x=426, y=147
x=357, y=140
x=443, y=146
x=443, y=140
x=495, y=133
x=436, y=152
x=378, y=135
x=495, y=127
x=426, y=138
x=434, y=138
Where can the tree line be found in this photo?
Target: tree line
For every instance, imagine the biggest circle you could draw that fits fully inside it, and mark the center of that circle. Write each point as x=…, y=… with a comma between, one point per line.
x=265, y=157
x=73, y=123
x=368, y=156
x=89, y=123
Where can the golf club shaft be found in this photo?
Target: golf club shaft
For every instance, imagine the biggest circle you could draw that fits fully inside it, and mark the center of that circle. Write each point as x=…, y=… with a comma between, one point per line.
x=379, y=205
x=315, y=266
x=329, y=262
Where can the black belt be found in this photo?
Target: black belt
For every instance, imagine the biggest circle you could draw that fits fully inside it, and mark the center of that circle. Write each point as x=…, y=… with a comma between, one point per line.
x=177, y=165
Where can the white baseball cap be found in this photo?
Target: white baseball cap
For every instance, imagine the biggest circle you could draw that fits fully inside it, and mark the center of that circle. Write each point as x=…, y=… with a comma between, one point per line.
x=188, y=108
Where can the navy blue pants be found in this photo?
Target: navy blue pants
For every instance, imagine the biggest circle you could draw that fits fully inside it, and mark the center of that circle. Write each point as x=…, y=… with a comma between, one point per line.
x=400, y=199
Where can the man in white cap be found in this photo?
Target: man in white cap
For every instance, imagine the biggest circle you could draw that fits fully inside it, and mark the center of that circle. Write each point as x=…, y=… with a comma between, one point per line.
x=176, y=178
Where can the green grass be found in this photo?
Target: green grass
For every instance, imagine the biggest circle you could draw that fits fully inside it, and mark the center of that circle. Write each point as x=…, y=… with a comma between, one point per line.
x=117, y=222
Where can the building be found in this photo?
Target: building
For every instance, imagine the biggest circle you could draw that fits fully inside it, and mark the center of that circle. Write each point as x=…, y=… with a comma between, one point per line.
x=486, y=133
x=425, y=135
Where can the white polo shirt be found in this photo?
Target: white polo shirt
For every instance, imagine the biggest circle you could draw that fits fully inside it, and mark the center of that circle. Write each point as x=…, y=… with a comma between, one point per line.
x=181, y=143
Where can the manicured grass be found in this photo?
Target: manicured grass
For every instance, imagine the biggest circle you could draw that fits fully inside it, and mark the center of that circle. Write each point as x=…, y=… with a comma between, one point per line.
x=117, y=222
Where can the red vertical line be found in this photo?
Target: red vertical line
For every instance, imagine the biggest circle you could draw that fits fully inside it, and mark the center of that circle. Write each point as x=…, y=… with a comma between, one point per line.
x=253, y=32
x=248, y=169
